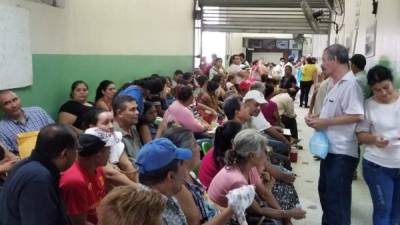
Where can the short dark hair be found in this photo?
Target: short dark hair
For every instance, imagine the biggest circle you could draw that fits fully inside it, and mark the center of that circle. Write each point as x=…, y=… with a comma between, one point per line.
x=242, y=55
x=201, y=80
x=177, y=72
x=119, y=102
x=217, y=78
x=309, y=60
x=54, y=138
x=153, y=83
x=269, y=89
x=339, y=52
x=157, y=176
x=183, y=92
x=378, y=74
x=359, y=61
x=212, y=86
x=231, y=105
x=187, y=76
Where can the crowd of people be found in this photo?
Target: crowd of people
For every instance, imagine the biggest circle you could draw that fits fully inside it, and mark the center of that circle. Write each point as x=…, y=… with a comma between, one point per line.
x=137, y=155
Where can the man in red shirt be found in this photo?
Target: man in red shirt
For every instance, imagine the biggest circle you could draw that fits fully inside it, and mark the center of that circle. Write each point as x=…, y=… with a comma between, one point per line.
x=82, y=185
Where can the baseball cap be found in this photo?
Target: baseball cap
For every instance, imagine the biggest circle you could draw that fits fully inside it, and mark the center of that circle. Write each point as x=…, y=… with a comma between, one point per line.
x=244, y=85
x=255, y=95
x=90, y=144
x=110, y=139
x=158, y=154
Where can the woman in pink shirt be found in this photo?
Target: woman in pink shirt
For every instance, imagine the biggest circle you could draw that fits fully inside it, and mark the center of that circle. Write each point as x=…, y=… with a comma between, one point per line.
x=213, y=161
x=180, y=113
x=244, y=162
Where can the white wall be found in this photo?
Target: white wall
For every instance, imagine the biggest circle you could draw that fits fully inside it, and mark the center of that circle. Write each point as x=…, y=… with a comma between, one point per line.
x=118, y=27
x=387, y=34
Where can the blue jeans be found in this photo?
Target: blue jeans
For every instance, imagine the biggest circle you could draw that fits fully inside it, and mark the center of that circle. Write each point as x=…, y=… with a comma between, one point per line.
x=384, y=186
x=278, y=146
x=334, y=188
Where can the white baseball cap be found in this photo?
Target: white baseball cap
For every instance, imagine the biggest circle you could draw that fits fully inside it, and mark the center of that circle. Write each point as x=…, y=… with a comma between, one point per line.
x=255, y=95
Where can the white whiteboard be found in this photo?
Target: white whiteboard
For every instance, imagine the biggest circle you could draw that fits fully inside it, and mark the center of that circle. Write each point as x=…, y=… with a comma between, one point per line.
x=15, y=48
x=267, y=57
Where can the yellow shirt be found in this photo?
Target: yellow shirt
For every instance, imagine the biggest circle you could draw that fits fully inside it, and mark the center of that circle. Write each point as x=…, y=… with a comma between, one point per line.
x=308, y=71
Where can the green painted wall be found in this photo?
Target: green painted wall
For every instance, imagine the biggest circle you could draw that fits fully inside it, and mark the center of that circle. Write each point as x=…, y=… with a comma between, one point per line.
x=54, y=74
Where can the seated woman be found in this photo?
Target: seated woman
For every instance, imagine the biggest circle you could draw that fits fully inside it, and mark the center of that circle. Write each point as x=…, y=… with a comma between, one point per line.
x=104, y=95
x=213, y=161
x=180, y=113
x=147, y=126
x=192, y=196
x=72, y=112
x=103, y=120
x=127, y=205
x=209, y=97
x=380, y=133
x=244, y=162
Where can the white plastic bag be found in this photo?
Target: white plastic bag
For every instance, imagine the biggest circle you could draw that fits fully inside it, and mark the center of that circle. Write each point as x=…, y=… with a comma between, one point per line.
x=319, y=144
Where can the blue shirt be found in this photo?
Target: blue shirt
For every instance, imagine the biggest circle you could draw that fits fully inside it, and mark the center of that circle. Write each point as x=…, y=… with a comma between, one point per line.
x=36, y=118
x=30, y=195
x=137, y=93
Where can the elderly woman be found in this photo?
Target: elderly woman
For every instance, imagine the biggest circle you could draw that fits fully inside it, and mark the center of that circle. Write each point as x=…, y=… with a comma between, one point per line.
x=380, y=133
x=192, y=196
x=244, y=162
x=73, y=111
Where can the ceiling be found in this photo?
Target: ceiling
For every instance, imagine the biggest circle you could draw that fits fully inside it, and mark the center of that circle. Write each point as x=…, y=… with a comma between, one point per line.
x=259, y=16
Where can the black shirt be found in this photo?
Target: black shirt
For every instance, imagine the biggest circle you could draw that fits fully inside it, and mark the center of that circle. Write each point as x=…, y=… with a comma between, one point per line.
x=288, y=82
x=31, y=196
x=77, y=109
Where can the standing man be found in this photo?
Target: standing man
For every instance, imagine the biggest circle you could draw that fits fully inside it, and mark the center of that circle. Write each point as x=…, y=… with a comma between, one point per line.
x=341, y=110
x=31, y=194
x=357, y=65
x=19, y=120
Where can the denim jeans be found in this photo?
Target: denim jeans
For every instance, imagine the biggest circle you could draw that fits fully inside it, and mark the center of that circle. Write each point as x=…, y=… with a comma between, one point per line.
x=278, y=146
x=334, y=188
x=384, y=186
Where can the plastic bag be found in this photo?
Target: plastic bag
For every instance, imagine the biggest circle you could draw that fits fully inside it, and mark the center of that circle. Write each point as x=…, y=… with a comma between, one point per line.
x=319, y=144
x=239, y=200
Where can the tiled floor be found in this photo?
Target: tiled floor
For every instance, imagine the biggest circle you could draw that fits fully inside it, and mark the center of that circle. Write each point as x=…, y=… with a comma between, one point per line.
x=306, y=184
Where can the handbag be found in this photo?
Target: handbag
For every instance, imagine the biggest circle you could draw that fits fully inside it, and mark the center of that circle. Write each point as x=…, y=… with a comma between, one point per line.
x=319, y=144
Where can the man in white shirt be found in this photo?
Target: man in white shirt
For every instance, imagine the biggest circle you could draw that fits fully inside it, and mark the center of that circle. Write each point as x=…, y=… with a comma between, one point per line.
x=278, y=70
x=285, y=103
x=341, y=110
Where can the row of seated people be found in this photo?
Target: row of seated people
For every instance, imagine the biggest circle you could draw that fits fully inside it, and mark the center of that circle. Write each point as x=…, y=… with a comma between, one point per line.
x=122, y=120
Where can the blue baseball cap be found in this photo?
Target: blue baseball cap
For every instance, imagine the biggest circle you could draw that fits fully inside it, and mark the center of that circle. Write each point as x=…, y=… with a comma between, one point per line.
x=158, y=154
